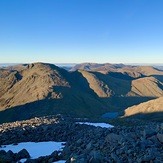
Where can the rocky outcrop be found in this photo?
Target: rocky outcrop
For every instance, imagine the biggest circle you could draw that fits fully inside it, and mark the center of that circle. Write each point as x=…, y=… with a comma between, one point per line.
x=141, y=142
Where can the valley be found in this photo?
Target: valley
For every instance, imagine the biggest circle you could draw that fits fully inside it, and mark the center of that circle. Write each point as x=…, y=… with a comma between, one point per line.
x=87, y=90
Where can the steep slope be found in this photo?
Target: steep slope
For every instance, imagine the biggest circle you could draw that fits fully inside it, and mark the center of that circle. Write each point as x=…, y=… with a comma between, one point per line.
x=36, y=83
x=7, y=80
x=147, y=87
x=97, y=85
x=105, y=85
x=152, y=109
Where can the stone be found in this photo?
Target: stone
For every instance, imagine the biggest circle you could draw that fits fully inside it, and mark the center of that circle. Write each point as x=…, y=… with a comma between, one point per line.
x=89, y=145
x=31, y=161
x=146, y=143
x=51, y=160
x=96, y=156
x=160, y=137
x=54, y=154
x=7, y=157
x=2, y=152
x=161, y=126
x=149, y=132
x=86, y=143
x=23, y=154
x=147, y=158
x=113, y=137
x=114, y=157
x=153, y=139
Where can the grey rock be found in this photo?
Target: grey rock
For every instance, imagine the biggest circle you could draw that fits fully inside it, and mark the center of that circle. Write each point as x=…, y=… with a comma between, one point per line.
x=54, y=154
x=153, y=139
x=161, y=126
x=23, y=154
x=149, y=132
x=112, y=137
x=147, y=158
x=7, y=157
x=2, y=152
x=95, y=156
x=87, y=143
x=114, y=157
x=160, y=137
x=146, y=143
x=31, y=161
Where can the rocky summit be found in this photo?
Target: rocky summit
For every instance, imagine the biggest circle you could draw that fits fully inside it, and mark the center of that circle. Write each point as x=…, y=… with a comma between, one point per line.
x=139, y=142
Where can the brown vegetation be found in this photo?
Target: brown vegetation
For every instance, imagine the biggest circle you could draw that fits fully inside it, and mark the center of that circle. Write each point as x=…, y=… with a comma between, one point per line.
x=47, y=89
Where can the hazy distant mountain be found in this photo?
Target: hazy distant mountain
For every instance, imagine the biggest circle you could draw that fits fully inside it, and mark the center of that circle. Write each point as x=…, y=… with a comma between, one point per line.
x=40, y=89
x=96, y=66
x=159, y=67
x=133, y=71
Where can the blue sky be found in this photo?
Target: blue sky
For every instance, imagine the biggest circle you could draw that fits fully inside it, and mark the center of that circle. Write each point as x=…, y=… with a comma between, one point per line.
x=75, y=31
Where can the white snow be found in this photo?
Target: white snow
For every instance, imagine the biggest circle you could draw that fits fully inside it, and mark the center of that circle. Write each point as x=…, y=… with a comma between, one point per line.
x=35, y=149
x=22, y=160
x=45, y=148
x=104, y=125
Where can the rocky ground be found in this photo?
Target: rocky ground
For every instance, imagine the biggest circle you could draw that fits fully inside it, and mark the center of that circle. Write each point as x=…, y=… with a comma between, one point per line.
x=140, y=143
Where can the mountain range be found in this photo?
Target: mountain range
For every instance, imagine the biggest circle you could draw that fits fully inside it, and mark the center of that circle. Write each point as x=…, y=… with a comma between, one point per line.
x=86, y=90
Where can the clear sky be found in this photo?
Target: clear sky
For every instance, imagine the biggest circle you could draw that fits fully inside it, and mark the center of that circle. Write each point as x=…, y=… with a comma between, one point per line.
x=75, y=31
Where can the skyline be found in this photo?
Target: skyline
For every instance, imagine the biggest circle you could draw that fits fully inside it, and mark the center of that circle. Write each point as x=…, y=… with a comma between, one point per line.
x=80, y=31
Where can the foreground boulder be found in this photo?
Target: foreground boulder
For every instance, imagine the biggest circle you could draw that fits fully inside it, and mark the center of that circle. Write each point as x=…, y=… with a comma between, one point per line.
x=141, y=142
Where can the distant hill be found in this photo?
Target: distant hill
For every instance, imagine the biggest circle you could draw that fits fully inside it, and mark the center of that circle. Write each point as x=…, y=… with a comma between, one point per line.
x=39, y=89
x=96, y=66
x=133, y=71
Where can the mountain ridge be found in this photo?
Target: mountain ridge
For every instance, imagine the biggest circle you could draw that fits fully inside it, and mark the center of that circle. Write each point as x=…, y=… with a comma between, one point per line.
x=48, y=89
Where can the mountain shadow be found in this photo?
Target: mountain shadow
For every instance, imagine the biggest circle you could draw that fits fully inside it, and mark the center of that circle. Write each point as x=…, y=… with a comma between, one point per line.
x=153, y=117
x=159, y=77
x=74, y=106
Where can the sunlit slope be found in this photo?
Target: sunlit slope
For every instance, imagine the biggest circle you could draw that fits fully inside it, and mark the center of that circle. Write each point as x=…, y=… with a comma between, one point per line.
x=147, y=87
x=35, y=82
x=152, y=107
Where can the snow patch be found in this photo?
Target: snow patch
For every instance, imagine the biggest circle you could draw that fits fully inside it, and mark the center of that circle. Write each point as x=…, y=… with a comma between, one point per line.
x=35, y=149
x=60, y=161
x=103, y=125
